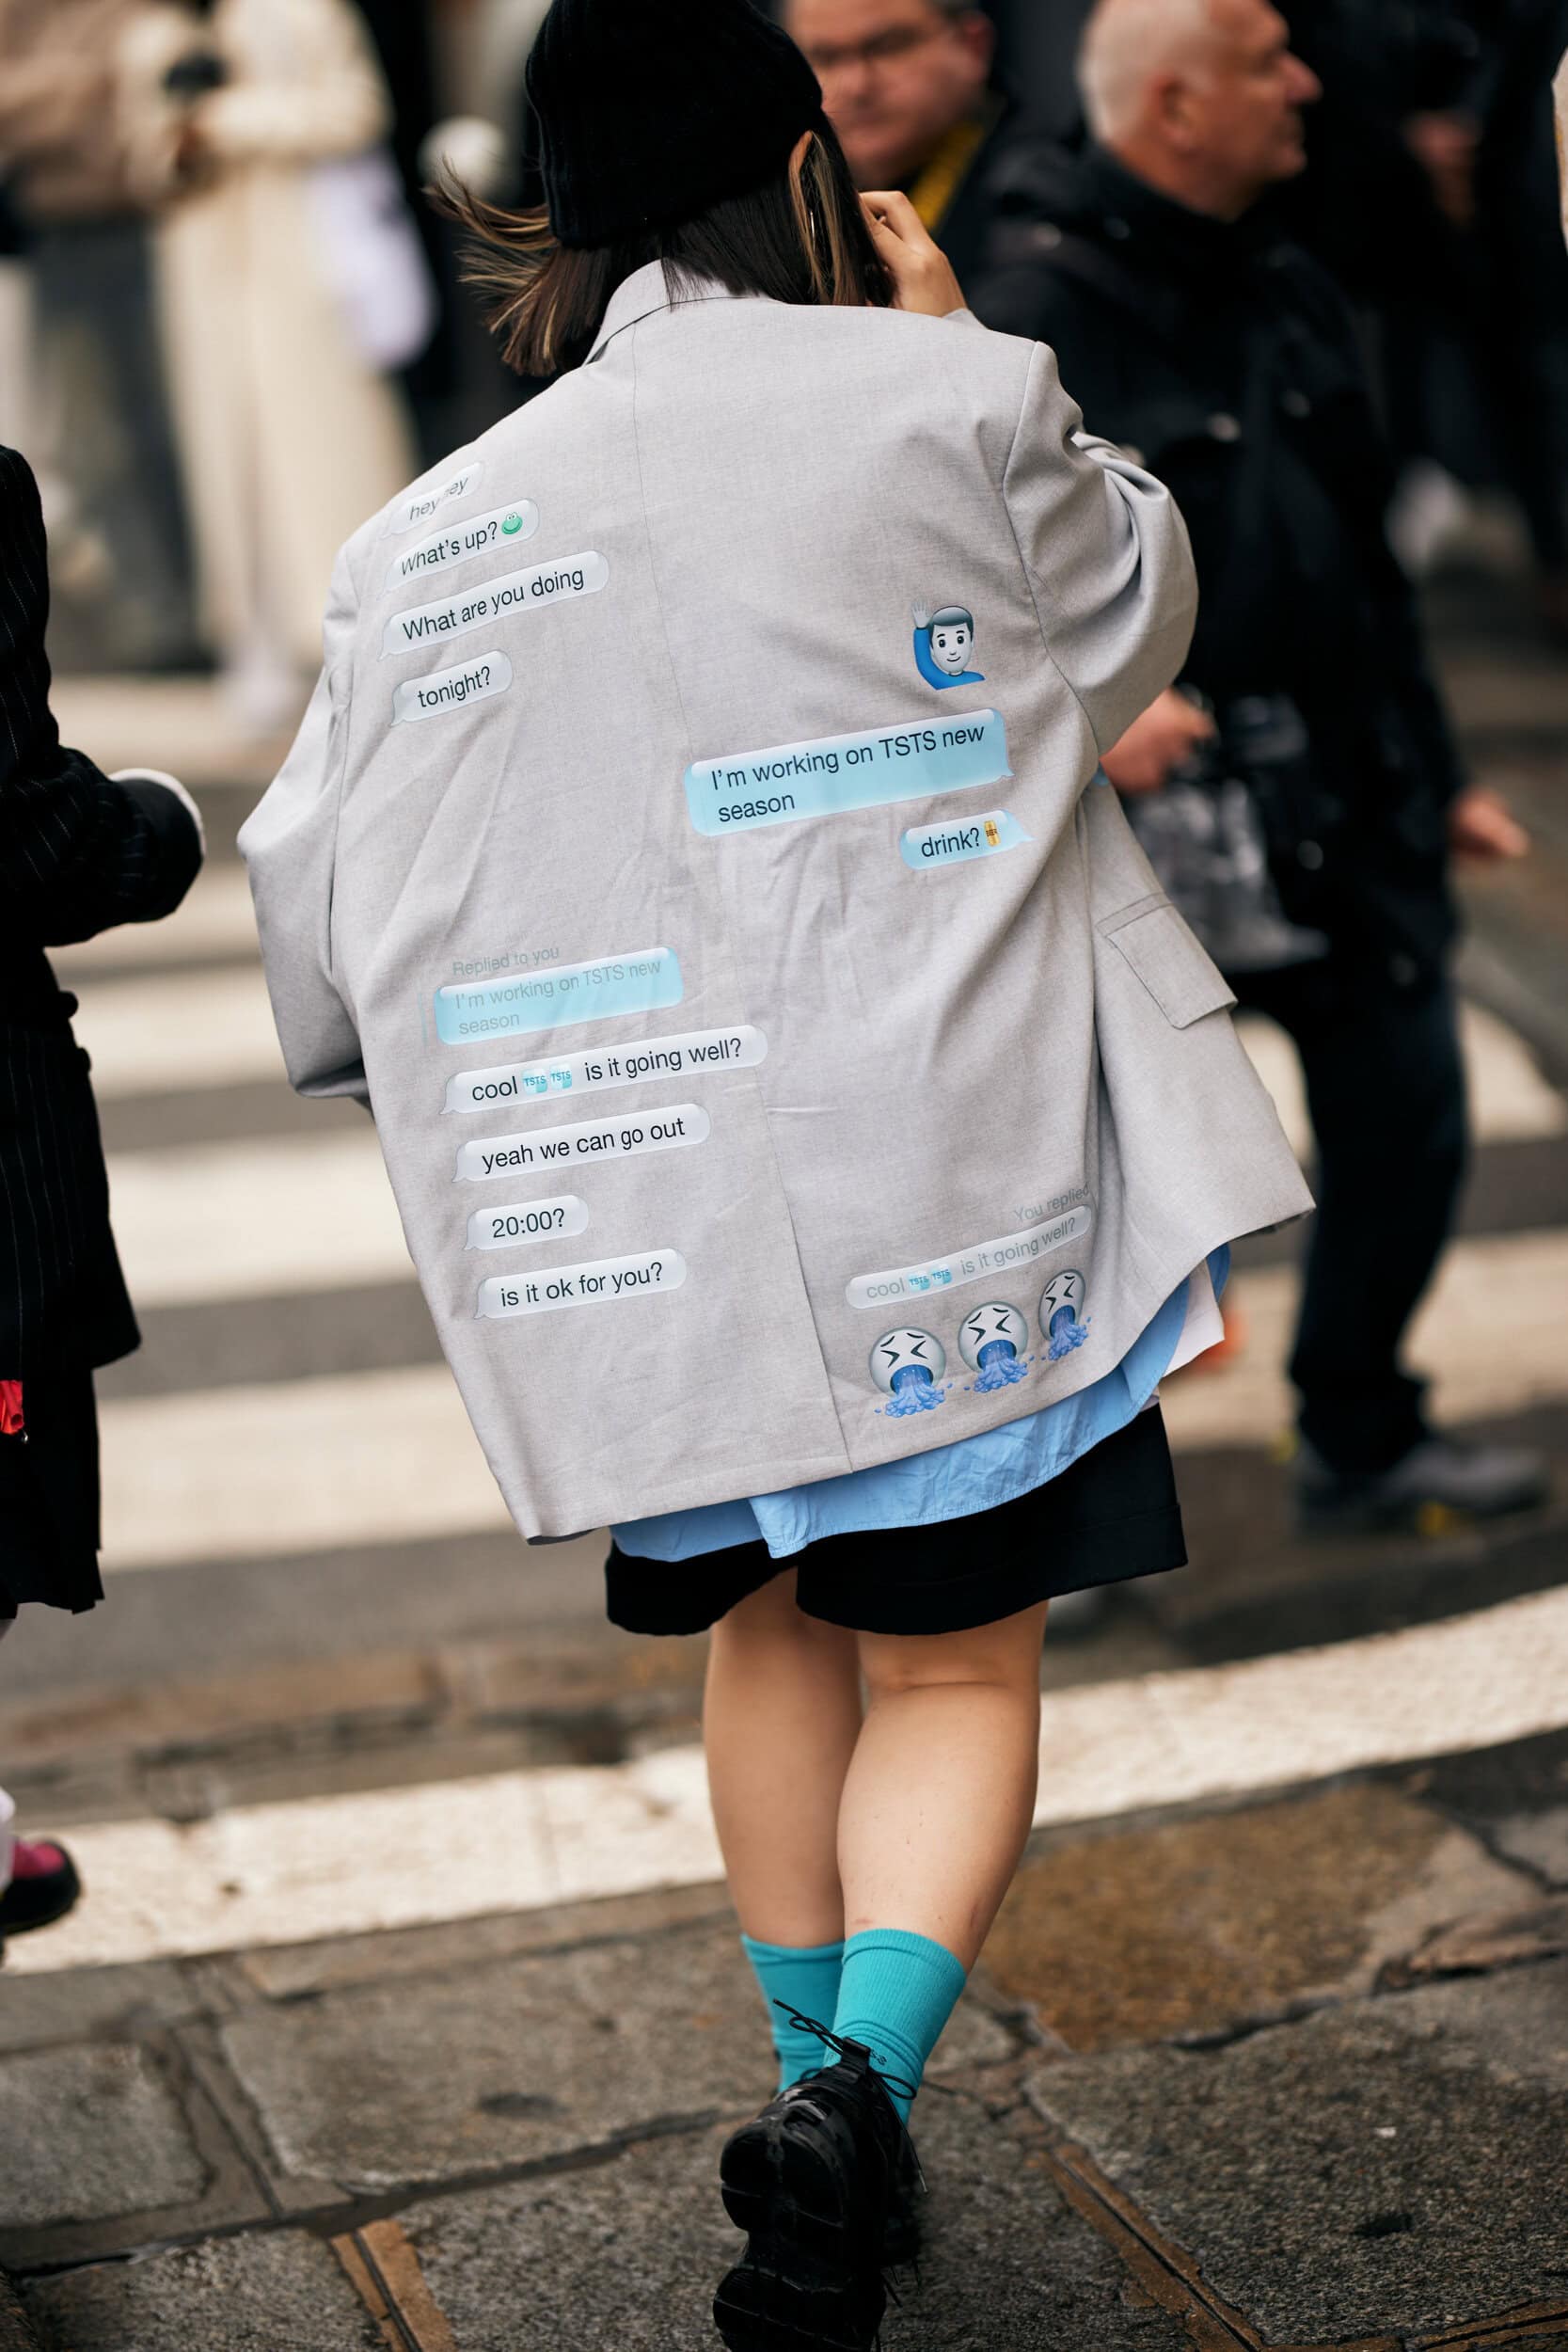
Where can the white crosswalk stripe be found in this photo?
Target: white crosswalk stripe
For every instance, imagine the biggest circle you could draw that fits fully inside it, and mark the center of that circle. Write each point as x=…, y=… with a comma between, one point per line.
x=303, y=1466
x=1510, y=1100
x=176, y=1031
x=1489, y=1335
x=516, y=1841
x=257, y=1220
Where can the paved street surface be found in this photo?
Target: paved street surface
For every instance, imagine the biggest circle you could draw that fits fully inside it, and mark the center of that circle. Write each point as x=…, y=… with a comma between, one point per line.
x=405, y=2010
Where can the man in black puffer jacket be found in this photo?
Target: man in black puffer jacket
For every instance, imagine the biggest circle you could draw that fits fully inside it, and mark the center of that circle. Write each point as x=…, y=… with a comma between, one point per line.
x=1301, y=792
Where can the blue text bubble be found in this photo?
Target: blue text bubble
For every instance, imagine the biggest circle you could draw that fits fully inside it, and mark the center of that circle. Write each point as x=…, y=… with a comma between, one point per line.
x=747, y=789
x=644, y=982
x=960, y=839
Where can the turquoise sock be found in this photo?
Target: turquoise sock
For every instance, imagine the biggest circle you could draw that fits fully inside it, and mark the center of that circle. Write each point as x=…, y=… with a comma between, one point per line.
x=808, y=1979
x=896, y=1995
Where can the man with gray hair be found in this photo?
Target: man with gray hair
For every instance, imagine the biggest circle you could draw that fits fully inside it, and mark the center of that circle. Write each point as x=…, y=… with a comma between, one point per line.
x=1299, y=790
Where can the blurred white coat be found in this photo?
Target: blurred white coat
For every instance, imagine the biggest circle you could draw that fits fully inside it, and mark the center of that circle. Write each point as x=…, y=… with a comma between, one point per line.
x=289, y=434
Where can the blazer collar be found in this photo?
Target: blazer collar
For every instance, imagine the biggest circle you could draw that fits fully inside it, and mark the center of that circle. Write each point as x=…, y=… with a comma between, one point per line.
x=643, y=295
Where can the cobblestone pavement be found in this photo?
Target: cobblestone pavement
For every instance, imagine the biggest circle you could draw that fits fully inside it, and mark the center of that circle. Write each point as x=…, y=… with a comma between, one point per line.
x=405, y=2010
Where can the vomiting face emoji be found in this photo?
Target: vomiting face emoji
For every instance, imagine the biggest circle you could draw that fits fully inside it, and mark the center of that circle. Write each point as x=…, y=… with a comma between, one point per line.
x=943, y=644
x=908, y=1367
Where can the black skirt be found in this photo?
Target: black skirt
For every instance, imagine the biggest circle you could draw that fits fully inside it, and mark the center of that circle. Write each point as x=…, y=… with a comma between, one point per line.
x=48, y=1534
x=1112, y=1515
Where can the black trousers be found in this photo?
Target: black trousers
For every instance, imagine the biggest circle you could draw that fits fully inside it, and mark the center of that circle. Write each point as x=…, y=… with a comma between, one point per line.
x=1385, y=1086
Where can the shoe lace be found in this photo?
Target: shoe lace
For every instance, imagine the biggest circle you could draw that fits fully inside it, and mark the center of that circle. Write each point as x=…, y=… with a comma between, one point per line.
x=892, y=2083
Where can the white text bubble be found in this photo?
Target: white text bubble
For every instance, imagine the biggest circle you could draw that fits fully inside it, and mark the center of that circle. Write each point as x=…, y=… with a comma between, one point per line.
x=473, y=681
x=603, y=1140
x=538, y=1220
x=461, y=542
x=661, y=1057
x=422, y=506
x=986, y=1260
x=497, y=600
x=651, y=1275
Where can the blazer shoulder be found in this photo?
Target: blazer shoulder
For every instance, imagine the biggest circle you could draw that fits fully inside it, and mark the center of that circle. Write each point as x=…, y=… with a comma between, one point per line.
x=963, y=374
x=962, y=347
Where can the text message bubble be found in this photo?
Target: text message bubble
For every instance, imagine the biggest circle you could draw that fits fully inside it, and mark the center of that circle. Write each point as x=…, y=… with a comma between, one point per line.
x=497, y=600
x=928, y=846
x=422, y=506
x=647, y=981
x=473, y=681
x=604, y=1139
x=590, y=1074
x=651, y=1275
x=844, y=772
x=537, y=1220
x=459, y=543
x=981, y=1263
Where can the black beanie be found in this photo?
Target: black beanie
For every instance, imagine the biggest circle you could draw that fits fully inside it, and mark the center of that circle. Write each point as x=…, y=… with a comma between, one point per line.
x=651, y=111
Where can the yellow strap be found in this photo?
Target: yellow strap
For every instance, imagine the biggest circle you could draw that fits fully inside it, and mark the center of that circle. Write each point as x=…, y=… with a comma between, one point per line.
x=935, y=191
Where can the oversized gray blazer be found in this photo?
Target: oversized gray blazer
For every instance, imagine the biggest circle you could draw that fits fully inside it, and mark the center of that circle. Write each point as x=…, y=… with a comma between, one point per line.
x=785, y=1059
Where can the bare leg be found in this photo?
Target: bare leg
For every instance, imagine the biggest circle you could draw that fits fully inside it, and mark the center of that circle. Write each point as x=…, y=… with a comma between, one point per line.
x=780, y=1721
x=941, y=1795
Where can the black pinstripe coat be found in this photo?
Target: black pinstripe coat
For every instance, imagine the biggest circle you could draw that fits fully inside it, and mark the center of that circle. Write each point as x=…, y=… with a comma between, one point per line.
x=78, y=853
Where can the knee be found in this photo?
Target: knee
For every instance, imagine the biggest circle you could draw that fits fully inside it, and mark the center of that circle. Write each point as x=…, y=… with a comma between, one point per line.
x=1005, y=1657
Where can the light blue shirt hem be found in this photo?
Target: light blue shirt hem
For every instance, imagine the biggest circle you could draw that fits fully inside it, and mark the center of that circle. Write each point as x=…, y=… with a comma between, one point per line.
x=954, y=1482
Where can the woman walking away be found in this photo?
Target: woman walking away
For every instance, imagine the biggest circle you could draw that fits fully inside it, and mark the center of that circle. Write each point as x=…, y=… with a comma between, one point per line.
x=813, y=1127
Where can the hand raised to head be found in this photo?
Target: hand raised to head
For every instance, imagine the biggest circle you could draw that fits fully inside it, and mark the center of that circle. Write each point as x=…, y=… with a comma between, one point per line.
x=922, y=275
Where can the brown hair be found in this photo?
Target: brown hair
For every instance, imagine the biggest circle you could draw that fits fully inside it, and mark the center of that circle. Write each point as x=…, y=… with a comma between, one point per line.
x=800, y=238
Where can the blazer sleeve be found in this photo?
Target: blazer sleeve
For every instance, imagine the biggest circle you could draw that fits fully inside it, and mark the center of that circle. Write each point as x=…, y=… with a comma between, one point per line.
x=79, y=851
x=290, y=846
x=1107, y=556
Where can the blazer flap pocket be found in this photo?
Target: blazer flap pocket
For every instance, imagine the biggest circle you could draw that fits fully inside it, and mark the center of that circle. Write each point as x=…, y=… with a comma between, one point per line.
x=1183, y=979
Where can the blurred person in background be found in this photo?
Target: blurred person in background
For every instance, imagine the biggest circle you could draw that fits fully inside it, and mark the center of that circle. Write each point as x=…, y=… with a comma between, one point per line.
x=79, y=852
x=87, y=353
x=1300, y=792
x=406, y=52
x=910, y=88
x=234, y=114
x=1427, y=194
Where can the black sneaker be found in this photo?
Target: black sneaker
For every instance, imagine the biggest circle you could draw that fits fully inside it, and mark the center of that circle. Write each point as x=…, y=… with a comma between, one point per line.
x=824, y=2182
x=1440, y=1484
